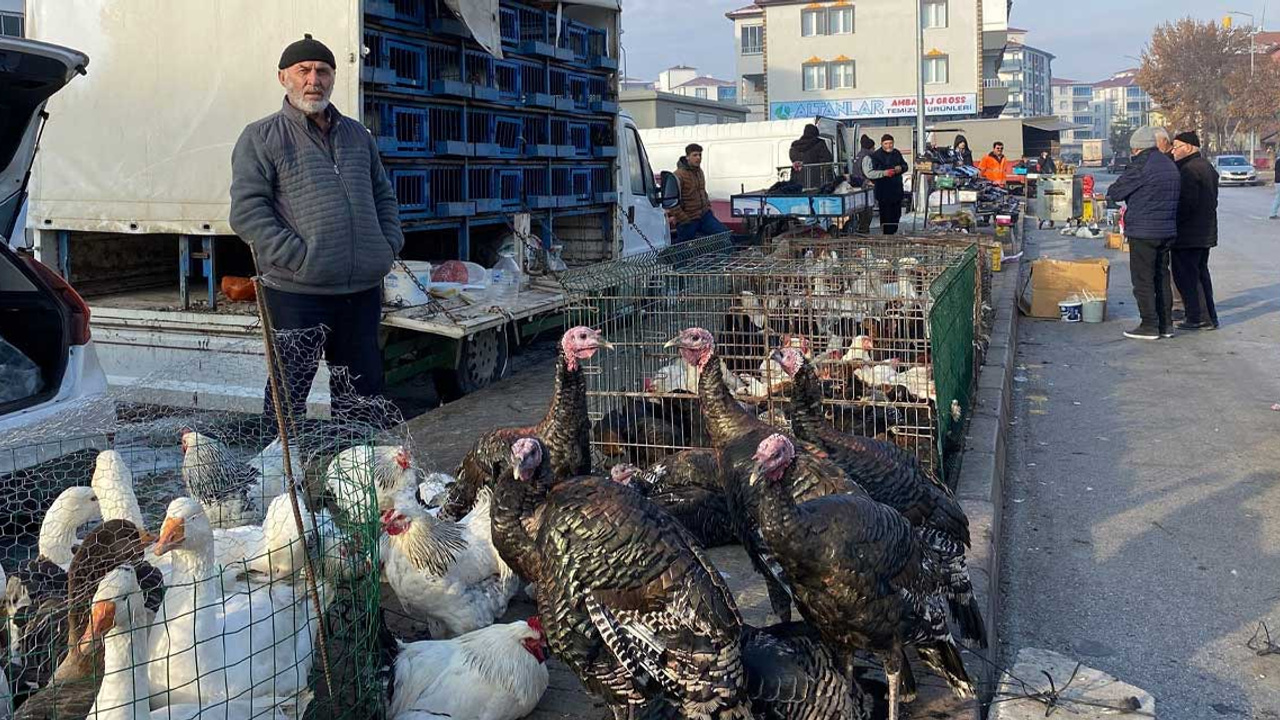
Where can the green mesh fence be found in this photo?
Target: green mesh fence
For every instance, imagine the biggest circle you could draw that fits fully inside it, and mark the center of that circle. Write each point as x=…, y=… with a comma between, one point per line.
x=952, y=324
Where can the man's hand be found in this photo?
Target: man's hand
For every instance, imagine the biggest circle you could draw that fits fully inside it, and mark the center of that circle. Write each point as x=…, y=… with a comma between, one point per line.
x=891, y=172
x=797, y=166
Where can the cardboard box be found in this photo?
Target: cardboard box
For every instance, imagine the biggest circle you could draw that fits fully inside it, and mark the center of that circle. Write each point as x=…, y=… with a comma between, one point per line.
x=1115, y=241
x=1052, y=281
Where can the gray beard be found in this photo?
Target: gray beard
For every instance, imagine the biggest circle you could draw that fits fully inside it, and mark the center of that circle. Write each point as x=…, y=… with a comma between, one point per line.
x=309, y=107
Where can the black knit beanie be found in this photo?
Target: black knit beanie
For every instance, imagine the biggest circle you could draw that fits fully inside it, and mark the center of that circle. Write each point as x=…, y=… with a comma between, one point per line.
x=306, y=50
x=1189, y=138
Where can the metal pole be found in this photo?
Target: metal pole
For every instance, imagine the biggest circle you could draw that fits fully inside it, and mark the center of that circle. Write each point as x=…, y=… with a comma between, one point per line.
x=1253, y=145
x=919, y=187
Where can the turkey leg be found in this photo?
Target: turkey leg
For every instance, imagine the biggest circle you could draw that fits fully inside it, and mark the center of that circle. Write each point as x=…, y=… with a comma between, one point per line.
x=893, y=674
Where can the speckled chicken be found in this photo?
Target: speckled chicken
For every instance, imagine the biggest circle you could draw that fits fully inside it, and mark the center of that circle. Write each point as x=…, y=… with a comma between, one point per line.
x=688, y=486
x=860, y=573
x=565, y=429
x=892, y=476
x=736, y=433
x=627, y=599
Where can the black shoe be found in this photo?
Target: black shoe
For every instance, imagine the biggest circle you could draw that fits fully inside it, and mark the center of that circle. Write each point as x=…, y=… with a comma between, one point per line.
x=1166, y=332
x=1206, y=325
x=1143, y=332
x=1179, y=314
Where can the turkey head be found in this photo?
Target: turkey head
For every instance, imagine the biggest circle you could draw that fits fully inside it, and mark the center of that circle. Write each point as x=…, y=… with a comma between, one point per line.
x=526, y=458
x=623, y=473
x=773, y=456
x=790, y=360
x=695, y=345
x=581, y=343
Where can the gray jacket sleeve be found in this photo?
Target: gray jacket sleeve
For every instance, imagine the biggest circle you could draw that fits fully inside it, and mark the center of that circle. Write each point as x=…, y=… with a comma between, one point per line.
x=384, y=196
x=253, y=210
x=868, y=169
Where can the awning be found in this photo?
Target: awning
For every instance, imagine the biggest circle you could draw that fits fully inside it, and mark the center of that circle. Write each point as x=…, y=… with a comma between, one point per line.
x=1050, y=124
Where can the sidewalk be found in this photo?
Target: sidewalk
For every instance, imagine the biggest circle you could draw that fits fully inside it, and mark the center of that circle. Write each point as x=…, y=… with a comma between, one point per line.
x=1141, y=525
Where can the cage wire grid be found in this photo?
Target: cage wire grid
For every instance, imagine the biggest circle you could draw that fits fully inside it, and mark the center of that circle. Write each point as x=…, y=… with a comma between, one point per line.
x=889, y=326
x=245, y=638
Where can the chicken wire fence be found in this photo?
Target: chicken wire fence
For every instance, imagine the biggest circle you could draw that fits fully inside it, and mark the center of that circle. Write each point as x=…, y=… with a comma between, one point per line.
x=234, y=612
x=890, y=327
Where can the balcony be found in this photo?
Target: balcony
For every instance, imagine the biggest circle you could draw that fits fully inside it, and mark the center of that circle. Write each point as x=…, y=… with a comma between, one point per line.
x=991, y=83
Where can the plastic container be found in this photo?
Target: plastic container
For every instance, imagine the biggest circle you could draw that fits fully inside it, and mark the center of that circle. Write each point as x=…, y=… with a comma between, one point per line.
x=477, y=275
x=1070, y=310
x=555, y=263
x=1094, y=311
x=504, y=281
x=399, y=288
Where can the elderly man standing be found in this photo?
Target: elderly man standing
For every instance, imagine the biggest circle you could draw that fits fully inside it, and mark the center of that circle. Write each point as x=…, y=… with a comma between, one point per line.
x=1150, y=187
x=1197, y=233
x=886, y=168
x=310, y=196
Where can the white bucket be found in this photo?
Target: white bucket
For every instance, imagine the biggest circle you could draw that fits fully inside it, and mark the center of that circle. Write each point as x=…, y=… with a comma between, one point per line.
x=1070, y=310
x=1094, y=311
x=399, y=288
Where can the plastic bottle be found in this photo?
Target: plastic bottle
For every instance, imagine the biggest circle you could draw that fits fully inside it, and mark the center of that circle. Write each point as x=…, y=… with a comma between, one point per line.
x=504, y=281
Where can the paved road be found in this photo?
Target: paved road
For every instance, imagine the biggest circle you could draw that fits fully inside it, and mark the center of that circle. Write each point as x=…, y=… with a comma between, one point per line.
x=1142, y=506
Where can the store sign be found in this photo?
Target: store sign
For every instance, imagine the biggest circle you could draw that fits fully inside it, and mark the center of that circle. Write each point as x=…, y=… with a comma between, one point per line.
x=859, y=108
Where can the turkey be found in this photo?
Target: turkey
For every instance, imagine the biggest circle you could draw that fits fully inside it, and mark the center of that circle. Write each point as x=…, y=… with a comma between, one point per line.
x=860, y=574
x=565, y=429
x=792, y=676
x=892, y=476
x=494, y=673
x=687, y=485
x=230, y=491
x=446, y=573
x=388, y=468
x=625, y=594
x=736, y=433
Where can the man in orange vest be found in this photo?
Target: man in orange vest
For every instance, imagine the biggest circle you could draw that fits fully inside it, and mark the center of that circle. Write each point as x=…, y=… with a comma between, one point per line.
x=995, y=166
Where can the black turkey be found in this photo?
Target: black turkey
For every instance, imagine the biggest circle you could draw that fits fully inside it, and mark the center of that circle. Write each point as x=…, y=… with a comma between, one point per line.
x=860, y=573
x=892, y=476
x=688, y=486
x=626, y=597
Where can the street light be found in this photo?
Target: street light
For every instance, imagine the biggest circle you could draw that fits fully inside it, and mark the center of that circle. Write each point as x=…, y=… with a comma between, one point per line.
x=1253, y=35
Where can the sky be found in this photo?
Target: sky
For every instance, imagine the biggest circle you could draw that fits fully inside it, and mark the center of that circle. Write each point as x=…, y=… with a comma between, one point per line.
x=1090, y=45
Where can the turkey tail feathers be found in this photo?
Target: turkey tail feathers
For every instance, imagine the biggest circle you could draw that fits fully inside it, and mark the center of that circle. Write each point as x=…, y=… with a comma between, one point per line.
x=968, y=616
x=943, y=657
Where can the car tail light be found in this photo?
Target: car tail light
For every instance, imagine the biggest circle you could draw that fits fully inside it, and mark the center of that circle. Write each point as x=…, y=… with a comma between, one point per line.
x=75, y=304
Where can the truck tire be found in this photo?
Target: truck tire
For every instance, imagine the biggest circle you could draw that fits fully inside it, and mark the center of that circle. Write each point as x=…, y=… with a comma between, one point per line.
x=482, y=361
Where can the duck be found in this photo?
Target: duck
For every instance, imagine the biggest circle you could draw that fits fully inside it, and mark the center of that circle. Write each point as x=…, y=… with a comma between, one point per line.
x=446, y=574
x=118, y=620
x=262, y=637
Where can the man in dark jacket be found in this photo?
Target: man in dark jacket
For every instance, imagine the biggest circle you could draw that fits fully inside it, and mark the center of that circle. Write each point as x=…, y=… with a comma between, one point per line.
x=1150, y=187
x=811, y=159
x=310, y=196
x=886, y=167
x=1197, y=233
x=693, y=216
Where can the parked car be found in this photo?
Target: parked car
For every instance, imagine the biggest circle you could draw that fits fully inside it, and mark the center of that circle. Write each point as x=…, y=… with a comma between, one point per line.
x=1235, y=170
x=47, y=358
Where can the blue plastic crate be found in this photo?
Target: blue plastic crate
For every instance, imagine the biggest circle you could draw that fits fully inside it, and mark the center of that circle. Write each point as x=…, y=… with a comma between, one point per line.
x=446, y=192
x=506, y=81
x=600, y=95
x=574, y=41
x=535, y=131
x=480, y=75
x=534, y=84
x=537, y=188
x=510, y=182
x=482, y=188
x=401, y=130
x=571, y=185
x=372, y=69
x=569, y=90
x=396, y=62
x=534, y=27
x=445, y=70
x=411, y=192
x=602, y=186
x=580, y=90
x=411, y=14
x=509, y=26
x=604, y=142
x=560, y=137
x=580, y=138
x=494, y=134
x=446, y=132
x=442, y=21
x=598, y=50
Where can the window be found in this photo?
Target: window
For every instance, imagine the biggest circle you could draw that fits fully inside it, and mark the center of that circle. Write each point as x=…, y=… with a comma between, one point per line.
x=635, y=165
x=684, y=117
x=840, y=21
x=813, y=22
x=700, y=92
x=752, y=39
x=708, y=119
x=12, y=25
x=815, y=77
x=842, y=75
x=935, y=70
x=1083, y=91
x=935, y=13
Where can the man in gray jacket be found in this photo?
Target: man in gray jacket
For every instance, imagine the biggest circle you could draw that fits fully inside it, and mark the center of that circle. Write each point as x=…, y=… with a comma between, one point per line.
x=310, y=196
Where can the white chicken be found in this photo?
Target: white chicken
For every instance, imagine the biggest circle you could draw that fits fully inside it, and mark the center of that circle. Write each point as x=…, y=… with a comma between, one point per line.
x=230, y=491
x=495, y=673
x=860, y=349
x=446, y=574
x=270, y=466
x=918, y=382
x=388, y=469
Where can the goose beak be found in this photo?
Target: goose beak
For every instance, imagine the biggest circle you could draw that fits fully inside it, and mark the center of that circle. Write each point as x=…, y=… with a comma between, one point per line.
x=101, y=619
x=172, y=533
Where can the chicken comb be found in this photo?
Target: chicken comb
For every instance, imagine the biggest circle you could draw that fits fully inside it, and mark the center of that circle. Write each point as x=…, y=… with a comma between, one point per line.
x=535, y=622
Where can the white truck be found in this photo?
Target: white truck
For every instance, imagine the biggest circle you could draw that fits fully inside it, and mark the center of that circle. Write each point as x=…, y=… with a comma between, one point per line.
x=129, y=194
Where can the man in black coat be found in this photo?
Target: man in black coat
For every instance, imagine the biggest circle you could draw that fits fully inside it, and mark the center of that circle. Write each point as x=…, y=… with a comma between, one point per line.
x=1197, y=233
x=1150, y=187
x=885, y=167
x=811, y=159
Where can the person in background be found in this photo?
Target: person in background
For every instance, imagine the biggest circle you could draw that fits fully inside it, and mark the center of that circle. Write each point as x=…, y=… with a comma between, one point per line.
x=811, y=158
x=311, y=198
x=1197, y=233
x=1163, y=143
x=1151, y=188
x=1275, y=203
x=961, y=146
x=693, y=216
x=885, y=167
x=858, y=178
x=995, y=166
x=1045, y=164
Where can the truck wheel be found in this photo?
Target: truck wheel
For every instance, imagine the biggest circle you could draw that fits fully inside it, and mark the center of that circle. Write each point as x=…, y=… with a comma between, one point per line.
x=482, y=361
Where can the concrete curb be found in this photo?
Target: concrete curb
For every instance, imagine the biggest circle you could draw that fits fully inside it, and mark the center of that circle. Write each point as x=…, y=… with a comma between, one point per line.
x=980, y=487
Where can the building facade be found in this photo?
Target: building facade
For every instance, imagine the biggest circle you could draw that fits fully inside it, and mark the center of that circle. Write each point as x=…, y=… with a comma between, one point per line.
x=1073, y=103
x=12, y=21
x=656, y=109
x=685, y=80
x=1028, y=74
x=1119, y=99
x=857, y=60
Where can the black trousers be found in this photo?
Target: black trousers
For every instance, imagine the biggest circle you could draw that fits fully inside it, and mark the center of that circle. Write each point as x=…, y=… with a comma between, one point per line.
x=1149, y=270
x=890, y=214
x=1191, y=275
x=342, y=328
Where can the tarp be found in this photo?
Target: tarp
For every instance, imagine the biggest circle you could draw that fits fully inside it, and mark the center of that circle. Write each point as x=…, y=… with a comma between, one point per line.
x=1051, y=124
x=481, y=18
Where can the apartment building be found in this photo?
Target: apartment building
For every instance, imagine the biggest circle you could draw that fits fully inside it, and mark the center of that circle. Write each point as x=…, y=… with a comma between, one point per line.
x=857, y=60
x=1073, y=103
x=1119, y=98
x=1027, y=72
x=12, y=20
x=685, y=80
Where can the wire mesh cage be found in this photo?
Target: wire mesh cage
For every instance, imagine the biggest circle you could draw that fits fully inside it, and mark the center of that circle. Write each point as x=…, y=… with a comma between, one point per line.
x=237, y=601
x=889, y=327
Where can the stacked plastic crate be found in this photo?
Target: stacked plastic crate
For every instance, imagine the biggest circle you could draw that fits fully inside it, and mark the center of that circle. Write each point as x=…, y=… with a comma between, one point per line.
x=468, y=138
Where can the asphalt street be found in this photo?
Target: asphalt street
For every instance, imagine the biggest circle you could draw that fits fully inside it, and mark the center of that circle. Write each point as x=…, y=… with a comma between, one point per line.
x=1141, y=529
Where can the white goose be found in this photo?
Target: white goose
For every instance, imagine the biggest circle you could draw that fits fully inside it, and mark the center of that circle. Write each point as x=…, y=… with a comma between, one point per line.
x=118, y=618
x=73, y=507
x=262, y=639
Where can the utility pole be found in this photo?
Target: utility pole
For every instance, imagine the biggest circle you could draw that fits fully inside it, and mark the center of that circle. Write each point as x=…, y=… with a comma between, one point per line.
x=920, y=110
x=1253, y=52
